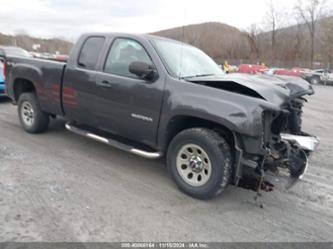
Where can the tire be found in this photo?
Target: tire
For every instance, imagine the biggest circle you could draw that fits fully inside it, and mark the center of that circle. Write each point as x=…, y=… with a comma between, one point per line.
x=315, y=80
x=214, y=165
x=32, y=118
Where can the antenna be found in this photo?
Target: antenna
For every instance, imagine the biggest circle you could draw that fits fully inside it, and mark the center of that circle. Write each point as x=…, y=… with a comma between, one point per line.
x=182, y=45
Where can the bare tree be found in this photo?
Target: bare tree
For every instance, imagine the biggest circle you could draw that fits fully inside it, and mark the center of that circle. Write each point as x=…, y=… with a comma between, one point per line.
x=311, y=11
x=274, y=20
x=252, y=37
x=327, y=39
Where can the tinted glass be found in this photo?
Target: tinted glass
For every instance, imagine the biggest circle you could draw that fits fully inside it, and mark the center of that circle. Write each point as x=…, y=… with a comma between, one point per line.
x=90, y=52
x=123, y=52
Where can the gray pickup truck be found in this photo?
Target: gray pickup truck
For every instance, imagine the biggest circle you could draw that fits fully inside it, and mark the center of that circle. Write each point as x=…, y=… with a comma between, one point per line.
x=159, y=98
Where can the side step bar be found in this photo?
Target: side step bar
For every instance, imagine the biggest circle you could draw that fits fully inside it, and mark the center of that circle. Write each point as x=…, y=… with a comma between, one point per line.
x=114, y=143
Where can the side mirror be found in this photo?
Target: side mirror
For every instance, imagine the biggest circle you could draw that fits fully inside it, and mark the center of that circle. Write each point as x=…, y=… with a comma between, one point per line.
x=143, y=70
x=2, y=58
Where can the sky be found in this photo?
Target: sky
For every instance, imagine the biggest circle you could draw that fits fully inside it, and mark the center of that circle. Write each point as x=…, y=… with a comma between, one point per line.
x=70, y=18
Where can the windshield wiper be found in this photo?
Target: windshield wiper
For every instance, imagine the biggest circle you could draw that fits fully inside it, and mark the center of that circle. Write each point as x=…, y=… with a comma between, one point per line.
x=196, y=76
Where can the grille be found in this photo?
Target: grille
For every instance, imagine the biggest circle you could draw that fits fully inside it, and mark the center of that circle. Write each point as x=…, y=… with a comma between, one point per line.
x=290, y=121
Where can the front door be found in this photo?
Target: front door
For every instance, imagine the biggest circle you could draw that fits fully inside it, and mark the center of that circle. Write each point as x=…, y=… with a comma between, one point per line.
x=127, y=105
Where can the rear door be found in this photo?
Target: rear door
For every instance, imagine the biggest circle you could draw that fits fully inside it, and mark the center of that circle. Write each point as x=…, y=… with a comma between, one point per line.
x=125, y=104
x=79, y=89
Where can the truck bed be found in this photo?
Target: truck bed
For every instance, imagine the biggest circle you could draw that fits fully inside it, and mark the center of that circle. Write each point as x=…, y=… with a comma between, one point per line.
x=46, y=75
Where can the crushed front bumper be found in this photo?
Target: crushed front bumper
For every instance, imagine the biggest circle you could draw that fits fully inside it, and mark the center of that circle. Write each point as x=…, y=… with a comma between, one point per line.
x=307, y=145
x=286, y=162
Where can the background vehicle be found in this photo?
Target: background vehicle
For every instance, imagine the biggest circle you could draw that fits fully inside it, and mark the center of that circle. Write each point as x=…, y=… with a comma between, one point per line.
x=327, y=78
x=6, y=51
x=317, y=76
x=271, y=71
x=252, y=69
x=2, y=79
x=287, y=72
x=130, y=92
x=295, y=72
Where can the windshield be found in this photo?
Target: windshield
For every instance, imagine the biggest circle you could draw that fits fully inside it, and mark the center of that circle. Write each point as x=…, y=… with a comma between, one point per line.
x=19, y=52
x=184, y=61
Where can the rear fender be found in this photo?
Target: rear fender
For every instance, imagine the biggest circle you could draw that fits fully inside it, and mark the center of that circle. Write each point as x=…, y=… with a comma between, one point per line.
x=26, y=73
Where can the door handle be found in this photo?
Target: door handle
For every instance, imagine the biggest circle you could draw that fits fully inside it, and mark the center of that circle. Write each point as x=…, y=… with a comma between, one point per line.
x=105, y=84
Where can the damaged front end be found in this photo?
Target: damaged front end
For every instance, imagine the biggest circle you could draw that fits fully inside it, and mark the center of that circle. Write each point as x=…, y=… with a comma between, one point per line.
x=269, y=140
x=288, y=148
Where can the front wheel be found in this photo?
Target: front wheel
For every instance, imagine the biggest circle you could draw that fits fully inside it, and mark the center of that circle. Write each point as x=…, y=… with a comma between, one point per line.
x=32, y=118
x=315, y=80
x=200, y=163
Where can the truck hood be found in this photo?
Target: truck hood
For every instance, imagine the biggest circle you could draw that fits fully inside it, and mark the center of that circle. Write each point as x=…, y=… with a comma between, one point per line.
x=274, y=89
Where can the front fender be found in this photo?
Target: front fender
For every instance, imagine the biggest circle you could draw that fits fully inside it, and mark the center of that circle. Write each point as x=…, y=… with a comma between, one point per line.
x=241, y=114
x=238, y=113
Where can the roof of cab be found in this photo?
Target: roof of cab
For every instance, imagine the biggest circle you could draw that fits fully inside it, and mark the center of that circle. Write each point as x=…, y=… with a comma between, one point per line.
x=129, y=35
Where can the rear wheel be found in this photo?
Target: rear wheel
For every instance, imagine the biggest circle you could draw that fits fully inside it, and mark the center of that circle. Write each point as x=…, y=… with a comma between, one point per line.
x=200, y=163
x=32, y=118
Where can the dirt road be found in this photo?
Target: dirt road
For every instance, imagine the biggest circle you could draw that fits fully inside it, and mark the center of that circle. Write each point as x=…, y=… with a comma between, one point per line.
x=61, y=187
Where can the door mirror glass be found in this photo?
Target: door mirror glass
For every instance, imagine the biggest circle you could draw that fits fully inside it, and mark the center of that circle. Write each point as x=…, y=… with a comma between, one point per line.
x=143, y=70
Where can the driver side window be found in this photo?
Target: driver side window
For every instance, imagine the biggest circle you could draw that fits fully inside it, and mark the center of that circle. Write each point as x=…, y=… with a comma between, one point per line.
x=122, y=53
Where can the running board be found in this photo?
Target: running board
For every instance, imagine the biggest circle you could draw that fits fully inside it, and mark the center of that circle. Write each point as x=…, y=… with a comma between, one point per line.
x=114, y=143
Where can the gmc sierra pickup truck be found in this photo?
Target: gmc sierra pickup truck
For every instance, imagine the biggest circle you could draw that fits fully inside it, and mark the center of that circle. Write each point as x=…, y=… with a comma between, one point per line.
x=156, y=97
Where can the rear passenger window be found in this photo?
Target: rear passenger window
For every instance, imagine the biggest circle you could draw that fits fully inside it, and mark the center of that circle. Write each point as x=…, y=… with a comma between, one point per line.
x=90, y=52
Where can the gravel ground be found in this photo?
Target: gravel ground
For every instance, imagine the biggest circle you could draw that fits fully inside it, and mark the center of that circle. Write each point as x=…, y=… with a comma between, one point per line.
x=62, y=187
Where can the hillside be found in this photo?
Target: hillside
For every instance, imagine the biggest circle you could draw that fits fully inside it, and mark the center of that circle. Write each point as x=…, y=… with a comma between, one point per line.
x=293, y=44
x=223, y=42
x=218, y=40
x=27, y=42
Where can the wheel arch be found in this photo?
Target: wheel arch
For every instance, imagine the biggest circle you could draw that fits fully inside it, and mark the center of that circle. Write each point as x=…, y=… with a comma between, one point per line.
x=180, y=123
x=22, y=85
